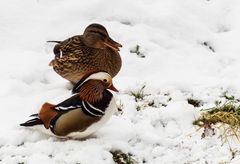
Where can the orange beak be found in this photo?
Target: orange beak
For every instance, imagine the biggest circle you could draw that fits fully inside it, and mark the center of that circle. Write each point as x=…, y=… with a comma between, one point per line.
x=112, y=44
x=113, y=88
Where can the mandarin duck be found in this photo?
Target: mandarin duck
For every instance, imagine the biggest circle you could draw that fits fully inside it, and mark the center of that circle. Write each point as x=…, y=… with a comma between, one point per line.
x=94, y=50
x=82, y=114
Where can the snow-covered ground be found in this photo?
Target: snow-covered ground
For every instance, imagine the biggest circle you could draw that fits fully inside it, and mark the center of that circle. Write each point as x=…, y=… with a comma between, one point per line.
x=191, y=50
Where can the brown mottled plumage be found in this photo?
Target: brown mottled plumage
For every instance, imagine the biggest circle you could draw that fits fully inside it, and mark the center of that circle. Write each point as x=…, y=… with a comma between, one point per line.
x=92, y=50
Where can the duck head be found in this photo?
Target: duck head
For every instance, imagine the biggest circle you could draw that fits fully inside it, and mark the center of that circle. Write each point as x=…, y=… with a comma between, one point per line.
x=92, y=85
x=96, y=36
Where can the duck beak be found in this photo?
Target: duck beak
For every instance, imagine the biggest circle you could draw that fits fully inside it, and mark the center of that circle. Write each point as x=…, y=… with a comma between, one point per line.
x=113, y=88
x=112, y=44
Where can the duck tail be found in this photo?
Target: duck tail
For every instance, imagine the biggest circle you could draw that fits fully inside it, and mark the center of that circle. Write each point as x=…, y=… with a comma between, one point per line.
x=54, y=41
x=33, y=122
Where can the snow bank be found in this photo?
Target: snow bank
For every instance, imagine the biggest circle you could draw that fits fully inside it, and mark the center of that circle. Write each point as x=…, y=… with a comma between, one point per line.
x=191, y=50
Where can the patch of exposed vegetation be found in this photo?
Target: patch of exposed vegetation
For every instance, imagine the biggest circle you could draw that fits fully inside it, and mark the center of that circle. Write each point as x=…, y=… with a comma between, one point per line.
x=152, y=104
x=226, y=115
x=21, y=144
x=138, y=107
x=122, y=158
x=139, y=94
x=120, y=107
x=234, y=153
x=50, y=156
x=228, y=96
x=208, y=45
x=153, y=100
x=126, y=22
x=194, y=102
x=136, y=50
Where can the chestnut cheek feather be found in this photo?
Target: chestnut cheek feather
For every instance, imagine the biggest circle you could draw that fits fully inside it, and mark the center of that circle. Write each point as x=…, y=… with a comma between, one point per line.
x=92, y=91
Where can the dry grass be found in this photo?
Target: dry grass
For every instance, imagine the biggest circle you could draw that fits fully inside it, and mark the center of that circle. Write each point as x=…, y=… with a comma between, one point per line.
x=226, y=116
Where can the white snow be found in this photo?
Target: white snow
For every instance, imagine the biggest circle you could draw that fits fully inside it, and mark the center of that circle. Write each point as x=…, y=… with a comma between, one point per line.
x=177, y=65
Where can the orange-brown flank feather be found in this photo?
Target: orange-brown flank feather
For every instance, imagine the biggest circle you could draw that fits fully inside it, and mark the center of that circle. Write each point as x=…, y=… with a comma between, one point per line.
x=46, y=114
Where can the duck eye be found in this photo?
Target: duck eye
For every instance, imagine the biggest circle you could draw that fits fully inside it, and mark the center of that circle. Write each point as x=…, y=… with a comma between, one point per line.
x=104, y=80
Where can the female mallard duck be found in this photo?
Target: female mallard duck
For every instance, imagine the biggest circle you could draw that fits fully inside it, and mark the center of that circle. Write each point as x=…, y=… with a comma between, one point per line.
x=82, y=114
x=94, y=50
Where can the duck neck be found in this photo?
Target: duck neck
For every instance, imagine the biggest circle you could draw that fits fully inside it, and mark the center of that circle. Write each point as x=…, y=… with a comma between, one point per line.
x=97, y=109
x=104, y=102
